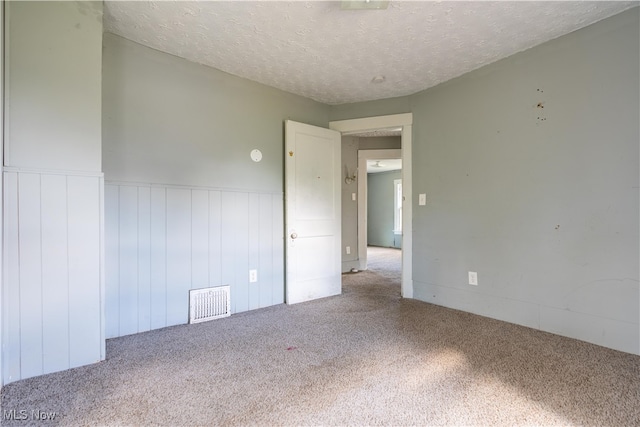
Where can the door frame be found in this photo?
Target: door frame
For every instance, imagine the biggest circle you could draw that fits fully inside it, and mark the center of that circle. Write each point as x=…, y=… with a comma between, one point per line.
x=404, y=122
x=2, y=73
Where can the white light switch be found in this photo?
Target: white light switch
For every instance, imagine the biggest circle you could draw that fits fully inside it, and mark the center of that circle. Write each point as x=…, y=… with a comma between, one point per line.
x=353, y=196
x=422, y=199
x=348, y=249
x=253, y=276
x=473, y=278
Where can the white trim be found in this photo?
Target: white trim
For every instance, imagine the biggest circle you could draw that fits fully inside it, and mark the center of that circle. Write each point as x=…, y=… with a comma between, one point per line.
x=372, y=123
x=2, y=322
x=103, y=283
x=13, y=169
x=189, y=187
x=407, y=214
x=405, y=121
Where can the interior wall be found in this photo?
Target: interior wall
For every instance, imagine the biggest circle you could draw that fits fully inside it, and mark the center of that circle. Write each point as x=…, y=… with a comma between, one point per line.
x=530, y=167
x=186, y=207
x=379, y=143
x=380, y=209
x=349, y=205
x=171, y=121
x=50, y=60
x=52, y=188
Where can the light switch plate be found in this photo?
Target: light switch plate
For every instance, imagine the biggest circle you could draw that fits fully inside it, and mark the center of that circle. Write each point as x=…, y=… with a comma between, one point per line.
x=422, y=199
x=473, y=278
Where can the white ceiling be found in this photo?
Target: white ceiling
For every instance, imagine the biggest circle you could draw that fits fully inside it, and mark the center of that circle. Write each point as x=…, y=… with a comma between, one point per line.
x=317, y=50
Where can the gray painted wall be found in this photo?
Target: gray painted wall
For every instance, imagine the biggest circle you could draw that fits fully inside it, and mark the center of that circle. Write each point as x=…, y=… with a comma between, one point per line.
x=380, y=209
x=541, y=202
x=379, y=143
x=53, y=79
x=171, y=121
x=185, y=204
x=53, y=189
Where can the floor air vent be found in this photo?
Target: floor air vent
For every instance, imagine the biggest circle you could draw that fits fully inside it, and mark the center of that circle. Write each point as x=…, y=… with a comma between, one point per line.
x=209, y=303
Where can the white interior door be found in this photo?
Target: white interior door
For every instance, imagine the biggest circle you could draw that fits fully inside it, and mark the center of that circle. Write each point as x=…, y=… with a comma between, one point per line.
x=312, y=212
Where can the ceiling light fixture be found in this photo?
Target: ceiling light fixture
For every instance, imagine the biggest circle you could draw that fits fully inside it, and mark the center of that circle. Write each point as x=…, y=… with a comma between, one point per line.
x=378, y=79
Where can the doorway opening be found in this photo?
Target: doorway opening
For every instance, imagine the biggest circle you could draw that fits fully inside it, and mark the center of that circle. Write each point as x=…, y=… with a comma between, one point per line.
x=377, y=171
x=403, y=124
x=383, y=213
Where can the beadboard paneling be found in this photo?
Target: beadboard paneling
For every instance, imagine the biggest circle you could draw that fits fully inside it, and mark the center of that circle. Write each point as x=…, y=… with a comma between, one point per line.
x=55, y=275
x=158, y=251
x=84, y=255
x=52, y=276
x=162, y=241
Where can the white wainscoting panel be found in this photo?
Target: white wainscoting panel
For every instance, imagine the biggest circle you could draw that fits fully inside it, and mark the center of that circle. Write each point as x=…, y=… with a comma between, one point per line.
x=158, y=251
x=162, y=241
x=55, y=275
x=144, y=259
x=179, y=255
x=51, y=292
x=85, y=319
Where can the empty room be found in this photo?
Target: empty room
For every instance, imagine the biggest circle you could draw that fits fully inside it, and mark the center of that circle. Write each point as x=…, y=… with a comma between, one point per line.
x=185, y=229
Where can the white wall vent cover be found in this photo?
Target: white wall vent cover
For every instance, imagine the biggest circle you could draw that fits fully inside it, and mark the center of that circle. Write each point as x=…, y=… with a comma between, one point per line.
x=209, y=303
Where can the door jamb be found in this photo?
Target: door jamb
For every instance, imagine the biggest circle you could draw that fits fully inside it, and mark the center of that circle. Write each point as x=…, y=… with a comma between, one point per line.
x=405, y=122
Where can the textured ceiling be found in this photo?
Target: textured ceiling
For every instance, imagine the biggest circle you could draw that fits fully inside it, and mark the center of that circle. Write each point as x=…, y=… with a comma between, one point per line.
x=319, y=51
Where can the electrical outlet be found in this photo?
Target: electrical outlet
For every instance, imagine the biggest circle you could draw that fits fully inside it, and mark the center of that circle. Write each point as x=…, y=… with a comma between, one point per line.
x=473, y=278
x=348, y=249
x=253, y=276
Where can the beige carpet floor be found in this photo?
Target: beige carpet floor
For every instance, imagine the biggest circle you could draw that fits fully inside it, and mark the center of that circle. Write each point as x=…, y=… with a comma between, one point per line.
x=366, y=357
